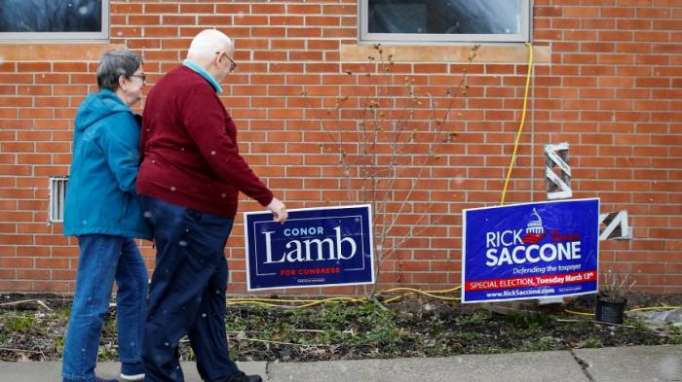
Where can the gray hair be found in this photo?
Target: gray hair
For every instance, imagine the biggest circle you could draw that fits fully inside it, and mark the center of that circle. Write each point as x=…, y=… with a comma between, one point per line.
x=207, y=42
x=114, y=64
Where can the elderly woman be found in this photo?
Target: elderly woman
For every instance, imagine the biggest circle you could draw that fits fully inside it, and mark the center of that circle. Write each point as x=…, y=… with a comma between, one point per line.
x=103, y=212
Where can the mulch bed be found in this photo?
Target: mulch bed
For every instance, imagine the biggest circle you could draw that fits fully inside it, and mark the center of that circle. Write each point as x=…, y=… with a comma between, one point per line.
x=413, y=327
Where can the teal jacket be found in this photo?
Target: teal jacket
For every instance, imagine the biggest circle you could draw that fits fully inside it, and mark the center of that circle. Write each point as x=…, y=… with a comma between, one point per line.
x=100, y=195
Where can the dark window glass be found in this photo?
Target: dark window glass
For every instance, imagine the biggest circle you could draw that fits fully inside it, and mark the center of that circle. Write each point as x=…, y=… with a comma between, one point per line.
x=445, y=16
x=27, y=16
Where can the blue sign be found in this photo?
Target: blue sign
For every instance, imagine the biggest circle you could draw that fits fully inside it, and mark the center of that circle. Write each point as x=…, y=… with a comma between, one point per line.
x=315, y=247
x=531, y=250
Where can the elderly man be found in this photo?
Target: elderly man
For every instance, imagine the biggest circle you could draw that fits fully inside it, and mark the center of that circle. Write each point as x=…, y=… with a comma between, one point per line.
x=189, y=180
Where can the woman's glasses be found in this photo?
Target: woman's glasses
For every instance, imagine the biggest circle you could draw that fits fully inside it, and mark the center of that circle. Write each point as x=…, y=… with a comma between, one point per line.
x=143, y=77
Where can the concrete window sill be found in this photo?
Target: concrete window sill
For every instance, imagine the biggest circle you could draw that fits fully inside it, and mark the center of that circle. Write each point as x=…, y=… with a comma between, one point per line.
x=488, y=53
x=54, y=52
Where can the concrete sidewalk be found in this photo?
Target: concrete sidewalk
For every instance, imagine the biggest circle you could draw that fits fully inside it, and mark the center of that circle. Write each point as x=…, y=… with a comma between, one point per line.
x=625, y=364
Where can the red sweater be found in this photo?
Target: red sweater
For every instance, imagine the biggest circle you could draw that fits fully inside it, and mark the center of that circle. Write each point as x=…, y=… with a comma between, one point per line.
x=189, y=148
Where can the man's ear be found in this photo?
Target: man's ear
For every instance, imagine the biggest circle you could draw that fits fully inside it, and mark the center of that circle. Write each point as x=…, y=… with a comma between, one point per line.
x=218, y=57
x=121, y=81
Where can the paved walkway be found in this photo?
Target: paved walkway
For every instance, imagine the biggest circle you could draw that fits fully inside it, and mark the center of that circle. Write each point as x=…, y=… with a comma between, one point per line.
x=625, y=364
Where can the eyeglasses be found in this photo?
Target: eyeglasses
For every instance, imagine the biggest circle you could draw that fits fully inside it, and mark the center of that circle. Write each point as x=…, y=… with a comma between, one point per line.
x=143, y=77
x=233, y=65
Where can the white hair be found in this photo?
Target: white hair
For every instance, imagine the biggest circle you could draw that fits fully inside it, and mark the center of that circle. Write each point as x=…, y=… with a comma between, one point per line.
x=207, y=43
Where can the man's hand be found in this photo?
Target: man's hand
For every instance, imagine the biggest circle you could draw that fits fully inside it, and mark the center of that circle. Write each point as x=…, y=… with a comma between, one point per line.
x=279, y=210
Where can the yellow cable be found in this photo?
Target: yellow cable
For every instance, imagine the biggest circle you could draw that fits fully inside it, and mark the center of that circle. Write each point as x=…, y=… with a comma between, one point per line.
x=307, y=303
x=578, y=313
x=425, y=293
x=663, y=307
x=393, y=299
x=523, y=120
x=333, y=299
x=257, y=303
x=264, y=299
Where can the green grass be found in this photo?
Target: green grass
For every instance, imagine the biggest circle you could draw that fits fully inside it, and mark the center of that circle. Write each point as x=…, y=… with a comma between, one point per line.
x=19, y=323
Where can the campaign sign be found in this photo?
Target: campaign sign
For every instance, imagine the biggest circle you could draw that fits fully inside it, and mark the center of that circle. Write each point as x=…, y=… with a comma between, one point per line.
x=315, y=247
x=531, y=250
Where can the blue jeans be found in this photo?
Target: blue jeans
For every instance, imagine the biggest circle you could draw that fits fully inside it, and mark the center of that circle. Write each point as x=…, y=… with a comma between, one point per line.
x=187, y=293
x=103, y=259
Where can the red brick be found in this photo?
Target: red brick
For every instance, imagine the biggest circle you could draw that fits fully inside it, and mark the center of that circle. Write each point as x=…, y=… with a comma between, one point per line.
x=303, y=8
x=196, y=8
x=618, y=12
x=144, y=20
x=287, y=20
x=126, y=8
x=304, y=32
x=287, y=44
x=580, y=12
x=268, y=8
x=233, y=8
x=668, y=25
x=34, y=67
x=328, y=21
x=165, y=31
x=14, y=79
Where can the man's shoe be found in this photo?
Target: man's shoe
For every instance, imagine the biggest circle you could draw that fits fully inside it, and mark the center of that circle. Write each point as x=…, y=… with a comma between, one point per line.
x=241, y=377
x=132, y=377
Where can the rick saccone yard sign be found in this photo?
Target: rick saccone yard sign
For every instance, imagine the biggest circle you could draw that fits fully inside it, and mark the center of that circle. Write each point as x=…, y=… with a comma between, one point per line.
x=315, y=247
x=532, y=250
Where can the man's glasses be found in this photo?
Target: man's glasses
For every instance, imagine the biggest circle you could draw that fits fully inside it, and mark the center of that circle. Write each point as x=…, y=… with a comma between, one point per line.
x=233, y=65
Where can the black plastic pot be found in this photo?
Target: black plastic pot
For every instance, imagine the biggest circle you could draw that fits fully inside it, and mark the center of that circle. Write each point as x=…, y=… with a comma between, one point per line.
x=610, y=309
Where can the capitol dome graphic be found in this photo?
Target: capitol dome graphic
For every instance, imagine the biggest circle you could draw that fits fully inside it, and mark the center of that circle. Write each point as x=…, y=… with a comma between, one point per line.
x=534, y=229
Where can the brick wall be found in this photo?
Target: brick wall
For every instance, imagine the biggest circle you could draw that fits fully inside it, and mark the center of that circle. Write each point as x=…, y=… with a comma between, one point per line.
x=608, y=81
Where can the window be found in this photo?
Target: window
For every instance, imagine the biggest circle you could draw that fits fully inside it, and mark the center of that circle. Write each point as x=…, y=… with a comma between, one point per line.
x=56, y=20
x=445, y=20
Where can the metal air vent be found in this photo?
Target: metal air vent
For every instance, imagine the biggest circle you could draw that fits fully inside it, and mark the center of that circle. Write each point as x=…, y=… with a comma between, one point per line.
x=57, y=197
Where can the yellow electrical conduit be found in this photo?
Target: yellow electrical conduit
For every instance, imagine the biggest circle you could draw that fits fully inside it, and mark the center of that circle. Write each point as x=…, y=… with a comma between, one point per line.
x=435, y=294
